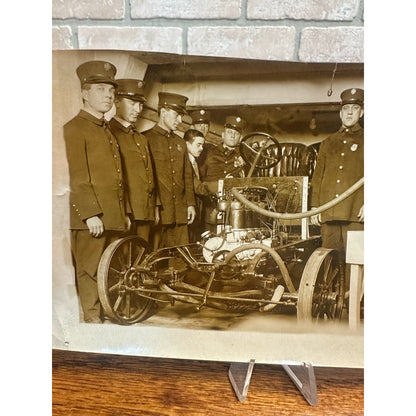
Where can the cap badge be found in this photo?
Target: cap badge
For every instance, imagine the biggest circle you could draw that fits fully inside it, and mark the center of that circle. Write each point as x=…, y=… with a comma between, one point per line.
x=202, y=112
x=238, y=119
x=354, y=147
x=107, y=66
x=140, y=84
x=238, y=162
x=353, y=91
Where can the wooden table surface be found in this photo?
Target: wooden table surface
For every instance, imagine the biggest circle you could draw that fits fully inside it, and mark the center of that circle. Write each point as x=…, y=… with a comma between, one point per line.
x=115, y=385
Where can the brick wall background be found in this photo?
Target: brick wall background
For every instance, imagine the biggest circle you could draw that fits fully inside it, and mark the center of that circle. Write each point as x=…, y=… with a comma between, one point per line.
x=287, y=30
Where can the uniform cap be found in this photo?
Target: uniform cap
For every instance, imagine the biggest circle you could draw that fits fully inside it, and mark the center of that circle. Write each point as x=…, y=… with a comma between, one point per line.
x=352, y=96
x=235, y=122
x=200, y=116
x=97, y=72
x=131, y=88
x=173, y=101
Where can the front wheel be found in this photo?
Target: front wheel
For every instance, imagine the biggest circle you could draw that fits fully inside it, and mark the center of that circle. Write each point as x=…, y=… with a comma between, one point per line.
x=119, y=282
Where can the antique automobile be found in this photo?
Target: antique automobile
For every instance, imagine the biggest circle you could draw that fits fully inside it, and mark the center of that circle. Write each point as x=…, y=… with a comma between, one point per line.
x=262, y=257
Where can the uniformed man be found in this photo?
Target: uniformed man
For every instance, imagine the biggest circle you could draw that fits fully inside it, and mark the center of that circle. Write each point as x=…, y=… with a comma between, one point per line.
x=339, y=165
x=134, y=149
x=195, y=143
x=220, y=162
x=173, y=172
x=99, y=205
x=201, y=120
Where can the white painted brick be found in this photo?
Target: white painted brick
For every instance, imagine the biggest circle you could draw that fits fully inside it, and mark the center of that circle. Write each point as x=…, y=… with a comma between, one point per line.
x=303, y=9
x=334, y=44
x=186, y=9
x=262, y=42
x=61, y=37
x=153, y=39
x=88, y=9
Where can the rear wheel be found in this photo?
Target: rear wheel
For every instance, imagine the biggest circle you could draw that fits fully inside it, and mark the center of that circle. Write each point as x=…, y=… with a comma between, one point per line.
x=119, y=281
x=322, y=287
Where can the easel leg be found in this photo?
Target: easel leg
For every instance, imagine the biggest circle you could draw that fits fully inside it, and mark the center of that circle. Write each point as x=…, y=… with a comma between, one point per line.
x=302, y=375
x=240, y=376
x=356, y=291
x=304, y=378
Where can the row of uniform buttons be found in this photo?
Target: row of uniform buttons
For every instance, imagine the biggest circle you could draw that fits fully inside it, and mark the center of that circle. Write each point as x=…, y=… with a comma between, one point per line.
x=173, y=171
x=340, y=167
x=226, y=162
x=76, y=209
x=120, y=184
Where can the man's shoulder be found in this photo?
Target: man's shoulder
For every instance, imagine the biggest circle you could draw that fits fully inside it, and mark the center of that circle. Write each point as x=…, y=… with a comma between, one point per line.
x=212, y=148
x=75, y=127
x=331, y=140
x=154, y=131
x=74, y=121
x=178, y=138
x=114, y=123
x=116, y=127
x=82, y=119
x=208, y=150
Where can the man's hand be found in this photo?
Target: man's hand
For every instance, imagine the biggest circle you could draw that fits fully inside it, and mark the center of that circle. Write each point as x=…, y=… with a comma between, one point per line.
x=191, y=214
x=95, y=225
x=315, y=219
x=157, y=215
x=127, y=221
x=361, y=214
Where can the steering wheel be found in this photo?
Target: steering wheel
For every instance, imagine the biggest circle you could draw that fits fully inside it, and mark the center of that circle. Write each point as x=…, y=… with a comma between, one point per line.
x=260, y=150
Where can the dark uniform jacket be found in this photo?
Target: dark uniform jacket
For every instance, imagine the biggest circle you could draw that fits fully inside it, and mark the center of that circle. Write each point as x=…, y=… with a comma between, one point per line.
x=217, y=162
x=339, y=165
x=138, y=170
x=95, y=171
x=173, y=175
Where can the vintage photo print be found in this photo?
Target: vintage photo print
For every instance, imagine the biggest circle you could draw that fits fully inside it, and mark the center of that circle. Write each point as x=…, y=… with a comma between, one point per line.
x=208, y=208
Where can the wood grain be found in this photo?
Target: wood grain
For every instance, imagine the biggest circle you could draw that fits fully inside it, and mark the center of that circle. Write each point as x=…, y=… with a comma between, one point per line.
x=114, y=385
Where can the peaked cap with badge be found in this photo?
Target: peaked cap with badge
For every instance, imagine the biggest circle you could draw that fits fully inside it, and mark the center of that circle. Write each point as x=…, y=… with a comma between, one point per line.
x=200, y=116
x=131, y=88
x=173, y=101
x=352, y=96
x=97, y=72
x=234, y=122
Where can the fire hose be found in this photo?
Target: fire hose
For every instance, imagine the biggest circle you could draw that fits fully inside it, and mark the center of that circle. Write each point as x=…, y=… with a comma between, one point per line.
x=292, y=216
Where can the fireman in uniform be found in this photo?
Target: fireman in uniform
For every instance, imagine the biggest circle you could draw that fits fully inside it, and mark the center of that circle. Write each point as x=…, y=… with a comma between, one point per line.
x=201, y=120
x=339, y=165
x=218, y=162
x=134, y=149
x=173, y=173
x=99, y=206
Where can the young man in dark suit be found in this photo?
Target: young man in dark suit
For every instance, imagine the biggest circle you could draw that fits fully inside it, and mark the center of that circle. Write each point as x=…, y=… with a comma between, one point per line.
x=195, y=144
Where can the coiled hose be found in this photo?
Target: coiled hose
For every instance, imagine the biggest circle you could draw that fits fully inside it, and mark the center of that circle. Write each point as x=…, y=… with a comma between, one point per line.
x=286, y=216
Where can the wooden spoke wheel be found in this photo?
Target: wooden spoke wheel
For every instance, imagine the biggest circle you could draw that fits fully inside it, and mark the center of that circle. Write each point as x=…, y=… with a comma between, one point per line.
x=119, y=281
x=322, y=287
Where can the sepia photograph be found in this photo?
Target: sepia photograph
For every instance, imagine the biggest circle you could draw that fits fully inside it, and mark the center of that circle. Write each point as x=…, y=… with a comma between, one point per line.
x=208, y=208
